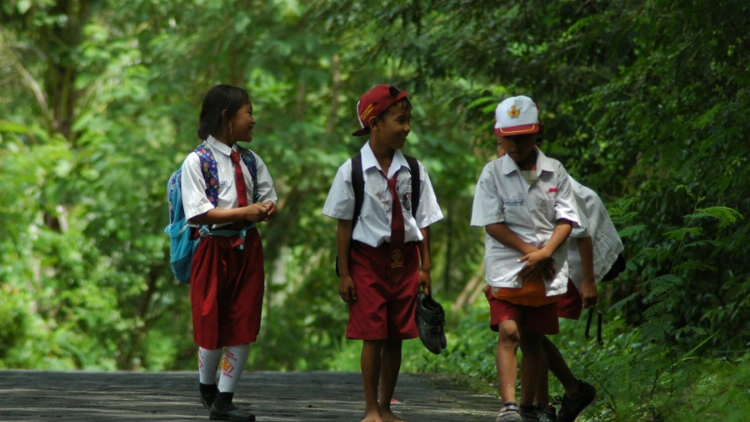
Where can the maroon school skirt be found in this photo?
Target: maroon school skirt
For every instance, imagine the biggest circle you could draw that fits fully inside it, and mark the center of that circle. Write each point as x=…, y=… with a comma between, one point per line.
x=226, y=291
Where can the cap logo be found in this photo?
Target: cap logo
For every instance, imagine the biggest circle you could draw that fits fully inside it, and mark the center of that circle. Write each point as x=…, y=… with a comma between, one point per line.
x=514, y=112
x=366, y=112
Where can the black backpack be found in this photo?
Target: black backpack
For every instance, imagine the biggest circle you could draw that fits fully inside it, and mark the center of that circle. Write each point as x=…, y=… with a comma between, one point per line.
x=358, y=183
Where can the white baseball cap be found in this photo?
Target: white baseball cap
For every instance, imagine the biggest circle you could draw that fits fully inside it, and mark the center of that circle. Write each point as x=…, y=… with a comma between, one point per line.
x=516, y=116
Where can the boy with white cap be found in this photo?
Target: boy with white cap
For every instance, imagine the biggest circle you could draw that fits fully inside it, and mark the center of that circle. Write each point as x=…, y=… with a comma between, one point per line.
x=525, y=203
x=384, y=253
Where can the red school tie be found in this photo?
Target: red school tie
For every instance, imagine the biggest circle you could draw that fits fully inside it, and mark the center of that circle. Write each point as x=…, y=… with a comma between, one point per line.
x=239, y=179
x=239, y=184
x=397, y=232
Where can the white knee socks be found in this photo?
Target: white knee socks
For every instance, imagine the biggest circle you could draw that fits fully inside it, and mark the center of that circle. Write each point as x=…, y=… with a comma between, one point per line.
x=232, y=366
x=208, y=363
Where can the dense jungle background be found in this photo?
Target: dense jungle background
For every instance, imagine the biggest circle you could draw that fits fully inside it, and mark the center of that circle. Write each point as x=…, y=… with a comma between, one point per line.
x=645, y=101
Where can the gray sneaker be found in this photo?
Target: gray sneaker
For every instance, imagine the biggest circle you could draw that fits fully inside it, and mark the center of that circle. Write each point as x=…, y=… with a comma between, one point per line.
x=509, y=413
x=572, y=407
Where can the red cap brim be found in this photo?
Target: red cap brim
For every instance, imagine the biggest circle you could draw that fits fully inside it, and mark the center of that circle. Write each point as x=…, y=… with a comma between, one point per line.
x=360, y=132
x=517, y=130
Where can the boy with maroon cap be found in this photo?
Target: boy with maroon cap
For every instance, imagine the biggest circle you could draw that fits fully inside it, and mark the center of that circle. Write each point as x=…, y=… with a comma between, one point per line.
x=383, y=254
x=526, y=205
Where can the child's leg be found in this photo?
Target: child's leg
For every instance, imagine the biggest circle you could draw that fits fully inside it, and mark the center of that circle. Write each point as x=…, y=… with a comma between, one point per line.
x=232, y=366
x=370, y=363
x=559, y=368
x=507, y=345
x=531, y=347
x=542, y=392
x=235, y=358
x=390, y=367
x=208, y=363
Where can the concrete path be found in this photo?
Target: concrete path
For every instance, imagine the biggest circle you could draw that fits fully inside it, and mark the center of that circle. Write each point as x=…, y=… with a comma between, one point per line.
x=271, y=396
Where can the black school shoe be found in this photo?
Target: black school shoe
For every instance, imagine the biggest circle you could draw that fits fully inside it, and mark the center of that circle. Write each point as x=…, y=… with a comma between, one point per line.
x=572, y=407
x=430, y=318
x=224, y=410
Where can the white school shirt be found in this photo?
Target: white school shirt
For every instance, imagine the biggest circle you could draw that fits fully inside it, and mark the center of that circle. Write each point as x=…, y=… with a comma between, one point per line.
x=374, y=225
x=531, y=211
x=194, y=199
x=607, y=243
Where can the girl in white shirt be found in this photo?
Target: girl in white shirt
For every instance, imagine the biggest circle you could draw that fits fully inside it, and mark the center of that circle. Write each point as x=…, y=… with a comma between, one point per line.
x=227, y=278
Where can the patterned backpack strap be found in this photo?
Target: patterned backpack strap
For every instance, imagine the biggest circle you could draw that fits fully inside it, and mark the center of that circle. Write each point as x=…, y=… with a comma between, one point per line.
x=210, y=172
x=249, y=158
x=174, y=185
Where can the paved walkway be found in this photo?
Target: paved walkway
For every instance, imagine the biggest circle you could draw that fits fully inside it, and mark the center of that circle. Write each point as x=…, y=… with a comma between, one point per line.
x=271, y=396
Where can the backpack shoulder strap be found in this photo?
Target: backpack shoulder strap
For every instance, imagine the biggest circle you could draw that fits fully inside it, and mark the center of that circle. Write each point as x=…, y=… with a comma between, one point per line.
x=415, y=184
x=249, y=158
x=210, y=172
x=174, y=196
x=358, y=183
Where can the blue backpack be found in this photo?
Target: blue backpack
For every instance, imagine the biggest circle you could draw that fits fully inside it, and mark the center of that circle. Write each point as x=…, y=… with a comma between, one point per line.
x=182, y=242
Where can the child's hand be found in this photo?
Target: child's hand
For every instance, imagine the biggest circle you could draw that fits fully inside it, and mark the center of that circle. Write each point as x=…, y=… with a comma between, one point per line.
x=346, y=289
x=426, y=280
x=589, y=295
x=535, y=265
x=256, y=212
x=270, y=210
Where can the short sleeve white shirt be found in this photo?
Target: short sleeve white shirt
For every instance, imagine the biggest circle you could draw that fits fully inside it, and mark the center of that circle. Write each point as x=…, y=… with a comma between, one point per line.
x=607, y=243
x=531, y=211
x=373, y=227
x=194, y=199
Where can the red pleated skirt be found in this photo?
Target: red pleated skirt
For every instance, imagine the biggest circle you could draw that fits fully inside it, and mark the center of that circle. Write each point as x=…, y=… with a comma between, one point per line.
x=226, y=291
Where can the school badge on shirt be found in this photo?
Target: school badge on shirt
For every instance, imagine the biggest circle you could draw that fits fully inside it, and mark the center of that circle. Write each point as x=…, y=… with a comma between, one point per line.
x=406, y=201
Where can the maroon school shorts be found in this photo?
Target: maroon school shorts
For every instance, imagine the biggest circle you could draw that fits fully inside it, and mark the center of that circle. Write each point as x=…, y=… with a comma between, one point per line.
x=570, y=304
x=226, y=291
x=384, y=308
x=537, y=319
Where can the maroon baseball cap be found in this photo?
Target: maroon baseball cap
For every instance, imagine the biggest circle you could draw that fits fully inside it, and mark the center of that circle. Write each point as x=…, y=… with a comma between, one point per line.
x=374, y=102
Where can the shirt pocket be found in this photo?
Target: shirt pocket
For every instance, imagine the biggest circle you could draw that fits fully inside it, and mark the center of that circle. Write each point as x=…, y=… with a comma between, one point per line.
x=541, y=203
x=515, y=210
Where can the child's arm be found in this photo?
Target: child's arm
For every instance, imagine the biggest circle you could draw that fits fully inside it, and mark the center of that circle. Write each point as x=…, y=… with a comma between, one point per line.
x=559, y=235
x=253, y=212
x=343, y=244
x=506, y=236
x=536, y=260
x=424, y=271
x=589, y=295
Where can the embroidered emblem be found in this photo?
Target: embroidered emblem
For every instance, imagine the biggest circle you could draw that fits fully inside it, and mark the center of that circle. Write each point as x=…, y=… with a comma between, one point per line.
x=514, y=111
x=397, y=259
x=552, y=190
x=513, y=202
x=406, y=201
x=227, y=368
x=226, y=365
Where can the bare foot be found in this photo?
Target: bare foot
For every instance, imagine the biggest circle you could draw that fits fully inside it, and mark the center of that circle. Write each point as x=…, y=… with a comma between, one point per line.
x=388, y=416
x=372, y=417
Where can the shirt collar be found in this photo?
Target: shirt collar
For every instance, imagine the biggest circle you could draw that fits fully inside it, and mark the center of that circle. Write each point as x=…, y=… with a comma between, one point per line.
x=369, y=160
x=543, y=163
x=220, y=146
